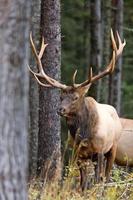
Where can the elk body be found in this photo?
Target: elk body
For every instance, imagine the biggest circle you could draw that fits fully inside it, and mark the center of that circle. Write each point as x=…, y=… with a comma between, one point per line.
x=124, y=153
x=95, y=128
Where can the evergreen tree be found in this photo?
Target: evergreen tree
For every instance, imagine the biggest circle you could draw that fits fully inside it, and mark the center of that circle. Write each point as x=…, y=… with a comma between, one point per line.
x=34, y=93
x=14, y=34
x=115, y=79
x=49, y=154
x=96, y=43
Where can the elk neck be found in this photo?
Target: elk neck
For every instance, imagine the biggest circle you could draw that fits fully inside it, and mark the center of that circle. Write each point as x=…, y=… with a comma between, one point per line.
x=83, y=123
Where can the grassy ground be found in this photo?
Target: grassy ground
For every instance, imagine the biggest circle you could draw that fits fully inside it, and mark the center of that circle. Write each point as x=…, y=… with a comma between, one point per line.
x=119, y=188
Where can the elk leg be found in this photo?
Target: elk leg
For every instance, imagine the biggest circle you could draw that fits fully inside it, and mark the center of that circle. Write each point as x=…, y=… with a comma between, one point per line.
x=84, y=174
x=110, y=160
x=99, y=168
x=83, y=178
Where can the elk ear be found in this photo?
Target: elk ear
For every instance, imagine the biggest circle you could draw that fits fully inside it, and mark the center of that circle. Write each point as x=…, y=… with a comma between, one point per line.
x=84, y=90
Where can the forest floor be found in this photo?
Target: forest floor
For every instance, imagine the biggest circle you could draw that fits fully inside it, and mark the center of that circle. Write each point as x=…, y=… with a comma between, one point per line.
x=119, y=188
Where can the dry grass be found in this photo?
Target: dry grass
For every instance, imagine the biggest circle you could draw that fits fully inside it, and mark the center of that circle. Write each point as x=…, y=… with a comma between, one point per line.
x=120, y=188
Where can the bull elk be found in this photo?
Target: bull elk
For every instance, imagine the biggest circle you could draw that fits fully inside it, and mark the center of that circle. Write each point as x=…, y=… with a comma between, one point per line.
x=124, y=153
x=95, y=128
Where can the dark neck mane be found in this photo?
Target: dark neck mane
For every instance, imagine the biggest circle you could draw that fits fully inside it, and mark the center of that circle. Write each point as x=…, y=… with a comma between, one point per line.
x=84, y=123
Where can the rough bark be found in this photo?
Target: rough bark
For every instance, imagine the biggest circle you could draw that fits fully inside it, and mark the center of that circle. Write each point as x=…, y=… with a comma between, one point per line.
x=49, y=99
x=95, y=41
x=106, y=47
x=86, y=36
x=115, y=79
x=34, y=93
x=14, y=32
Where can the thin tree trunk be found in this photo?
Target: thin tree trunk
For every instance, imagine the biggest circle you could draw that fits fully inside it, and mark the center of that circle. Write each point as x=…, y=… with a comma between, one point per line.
x=106, y=47
x=115, y=80
x=14, y=34
x=49, y=122
x=86, y=37
x=34, y=94
x=96, y=41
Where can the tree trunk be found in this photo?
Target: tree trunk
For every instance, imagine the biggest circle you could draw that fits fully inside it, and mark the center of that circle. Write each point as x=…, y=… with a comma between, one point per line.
x=34, y=94
x=86, y=35
x=95, y=41
x=14, y=34
x=49, y=99
x=106, y=47
x=115, y=80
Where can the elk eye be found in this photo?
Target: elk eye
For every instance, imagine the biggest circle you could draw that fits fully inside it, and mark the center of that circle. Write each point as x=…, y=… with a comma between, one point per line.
x=75, y=98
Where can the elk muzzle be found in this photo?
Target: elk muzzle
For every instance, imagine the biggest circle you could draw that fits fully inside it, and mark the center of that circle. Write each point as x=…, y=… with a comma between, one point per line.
x=61, y=111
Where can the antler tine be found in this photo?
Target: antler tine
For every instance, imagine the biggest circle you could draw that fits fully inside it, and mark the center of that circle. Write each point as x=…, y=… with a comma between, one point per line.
x=85, y=82
x=110, y=68
x=51, y=82
x=39, y=64
x=36, y=75
x=35, y=53
x=43, y=46
x=90, y=74
x=121, y=45
x=74, y=77
x=42, y=84
x=113, y=41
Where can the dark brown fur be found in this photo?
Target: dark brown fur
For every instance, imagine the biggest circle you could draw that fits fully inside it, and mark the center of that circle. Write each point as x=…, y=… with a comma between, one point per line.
x=83, y=124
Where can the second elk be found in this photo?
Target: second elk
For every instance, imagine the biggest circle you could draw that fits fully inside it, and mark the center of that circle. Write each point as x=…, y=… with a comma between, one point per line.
x=124, y=153
x=94, y=128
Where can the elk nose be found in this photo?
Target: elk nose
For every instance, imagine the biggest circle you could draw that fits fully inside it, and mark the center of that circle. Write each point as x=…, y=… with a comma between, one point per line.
x=61, y=111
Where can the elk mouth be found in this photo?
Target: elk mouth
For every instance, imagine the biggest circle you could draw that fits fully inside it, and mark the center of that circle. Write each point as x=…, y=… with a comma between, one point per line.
x=64, y=114
x=59, y=113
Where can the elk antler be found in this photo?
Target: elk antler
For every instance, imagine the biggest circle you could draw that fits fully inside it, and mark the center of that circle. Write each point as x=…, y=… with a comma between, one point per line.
x=41, y=74
x=110, y=68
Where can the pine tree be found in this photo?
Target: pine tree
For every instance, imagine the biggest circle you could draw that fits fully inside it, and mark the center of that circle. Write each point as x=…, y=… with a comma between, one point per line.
x=115, y=79
x=34, y=94
x=49, y=154
x=14, y=34
x=96, y=42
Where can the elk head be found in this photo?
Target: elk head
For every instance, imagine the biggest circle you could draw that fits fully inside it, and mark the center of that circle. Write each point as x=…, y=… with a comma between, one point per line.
x=72, y=96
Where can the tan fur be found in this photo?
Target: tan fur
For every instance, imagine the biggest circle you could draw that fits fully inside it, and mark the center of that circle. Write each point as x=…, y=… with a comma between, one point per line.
x=124, y=154
x=127, y=124
x=95, y=128
x=106, y=126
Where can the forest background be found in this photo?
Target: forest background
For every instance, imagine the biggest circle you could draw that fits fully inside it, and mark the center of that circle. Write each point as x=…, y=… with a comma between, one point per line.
x=78, y=34
x=85, y=41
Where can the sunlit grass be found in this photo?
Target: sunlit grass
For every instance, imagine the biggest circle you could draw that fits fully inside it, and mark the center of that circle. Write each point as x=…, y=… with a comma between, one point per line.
x=119, y=188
